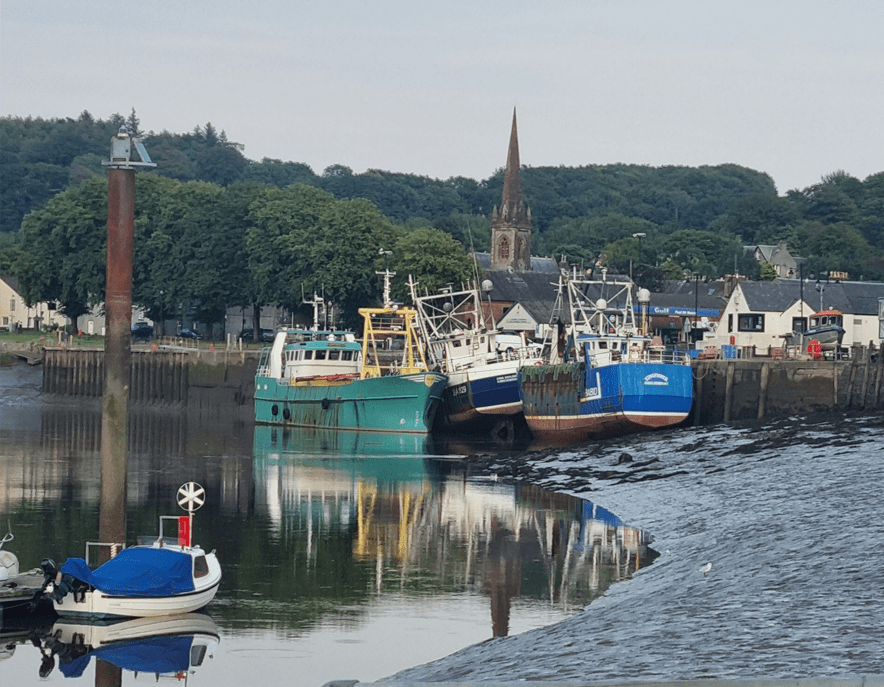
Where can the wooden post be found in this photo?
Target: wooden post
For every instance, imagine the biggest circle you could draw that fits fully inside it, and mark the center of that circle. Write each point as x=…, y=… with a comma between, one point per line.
x=729, y=392
x=866, y=371
x=854, y=363
x=878, y=376
x=762, y=394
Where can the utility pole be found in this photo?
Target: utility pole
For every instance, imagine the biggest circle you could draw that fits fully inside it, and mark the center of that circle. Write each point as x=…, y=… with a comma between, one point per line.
x=118, y=338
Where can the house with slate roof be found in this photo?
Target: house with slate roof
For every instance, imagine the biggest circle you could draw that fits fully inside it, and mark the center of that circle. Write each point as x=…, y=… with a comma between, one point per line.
x=777, y=256
x=760, y=314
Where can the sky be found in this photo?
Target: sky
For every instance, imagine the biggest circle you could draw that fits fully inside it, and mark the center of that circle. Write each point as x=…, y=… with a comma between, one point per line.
x=792, y=88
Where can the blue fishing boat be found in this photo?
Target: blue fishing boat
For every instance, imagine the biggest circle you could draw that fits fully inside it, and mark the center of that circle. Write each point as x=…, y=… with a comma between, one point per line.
x=608, y=377
x=481, y=364
x=326, y=379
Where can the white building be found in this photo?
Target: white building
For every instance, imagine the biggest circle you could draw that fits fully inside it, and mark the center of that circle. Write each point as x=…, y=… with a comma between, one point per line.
x=760, y=314
x=15, y=313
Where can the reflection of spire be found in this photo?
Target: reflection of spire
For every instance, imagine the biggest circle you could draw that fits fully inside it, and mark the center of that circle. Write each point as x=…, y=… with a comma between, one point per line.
x=503, y=577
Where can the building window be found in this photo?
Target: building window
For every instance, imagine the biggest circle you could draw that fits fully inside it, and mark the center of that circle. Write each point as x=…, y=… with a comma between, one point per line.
x=503, y=248
x=799, y=324
x=750, y=323
x=12, y=304
x=730, y=323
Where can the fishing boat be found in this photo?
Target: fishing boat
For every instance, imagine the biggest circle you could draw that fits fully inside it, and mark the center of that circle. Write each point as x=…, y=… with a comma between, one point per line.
x=326, y=379
x=160, y=575
x=607, y=378
x=165, y=646
x=482, y=365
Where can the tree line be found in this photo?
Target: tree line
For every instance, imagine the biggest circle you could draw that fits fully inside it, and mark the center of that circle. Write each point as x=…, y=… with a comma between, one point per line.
x=693, y=220
x=200, y=248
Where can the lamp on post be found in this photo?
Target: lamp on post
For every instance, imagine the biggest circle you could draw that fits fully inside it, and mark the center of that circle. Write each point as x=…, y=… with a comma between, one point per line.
x=639, y=235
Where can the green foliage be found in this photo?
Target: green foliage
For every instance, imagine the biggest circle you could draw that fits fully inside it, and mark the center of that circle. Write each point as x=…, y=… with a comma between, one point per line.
x=433, y=258
x=767, y=272
x=271, y=233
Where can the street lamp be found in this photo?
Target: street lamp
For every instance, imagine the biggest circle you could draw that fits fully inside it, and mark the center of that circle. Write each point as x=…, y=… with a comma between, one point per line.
x=639, y=235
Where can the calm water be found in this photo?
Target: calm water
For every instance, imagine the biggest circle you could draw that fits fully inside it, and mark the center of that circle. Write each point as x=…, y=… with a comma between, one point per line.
x=344, y=555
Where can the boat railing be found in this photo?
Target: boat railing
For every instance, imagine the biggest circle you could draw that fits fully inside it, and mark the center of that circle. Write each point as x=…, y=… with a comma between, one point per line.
x=112, y=547
x=653, y=354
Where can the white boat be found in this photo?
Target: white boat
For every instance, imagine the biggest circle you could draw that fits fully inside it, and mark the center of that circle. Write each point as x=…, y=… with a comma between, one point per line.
x=161, y=575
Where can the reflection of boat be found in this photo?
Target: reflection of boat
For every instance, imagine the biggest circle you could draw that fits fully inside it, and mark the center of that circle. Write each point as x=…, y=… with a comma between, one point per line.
x=314, y=378
x=826, y=327
x=612, y=380
x=483, y=379
x=165, y=645
x=334, y=442
x=162, y=575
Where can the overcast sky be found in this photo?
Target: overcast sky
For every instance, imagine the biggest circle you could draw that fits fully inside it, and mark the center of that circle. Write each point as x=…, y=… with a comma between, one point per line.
x=792, y=88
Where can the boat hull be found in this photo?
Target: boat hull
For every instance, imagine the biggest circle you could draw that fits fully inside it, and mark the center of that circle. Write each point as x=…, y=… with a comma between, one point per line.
x=483, y=394
x=395, y=403
x=569, y=404
x=99, y=604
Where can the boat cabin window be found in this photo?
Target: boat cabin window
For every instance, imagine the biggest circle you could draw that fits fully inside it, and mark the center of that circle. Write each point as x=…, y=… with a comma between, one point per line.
x=308, y=355
x=200, y=567
x=750, y=323
x=346, y=355
x=334, y=355
x=603, y=344
x=320, y=355
x=456, y=343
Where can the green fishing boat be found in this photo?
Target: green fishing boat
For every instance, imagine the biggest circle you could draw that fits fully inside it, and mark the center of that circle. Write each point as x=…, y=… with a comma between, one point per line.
x=325, y=378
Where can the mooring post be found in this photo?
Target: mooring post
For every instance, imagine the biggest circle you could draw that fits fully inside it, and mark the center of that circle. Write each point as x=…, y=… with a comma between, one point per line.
x=117, y=342
x=729, y=392
x=762, y=394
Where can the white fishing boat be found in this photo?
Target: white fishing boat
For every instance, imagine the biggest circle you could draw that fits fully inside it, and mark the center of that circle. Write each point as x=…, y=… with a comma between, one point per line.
x=161, y=575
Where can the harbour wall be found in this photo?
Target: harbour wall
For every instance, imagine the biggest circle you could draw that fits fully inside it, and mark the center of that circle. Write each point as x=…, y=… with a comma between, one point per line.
x=221, y=382
x=754, y=388
x=210, y=383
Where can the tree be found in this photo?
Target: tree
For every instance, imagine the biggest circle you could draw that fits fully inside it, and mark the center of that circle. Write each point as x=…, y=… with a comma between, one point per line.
x=768, y=272
x=63, y=249
x=432, y=257
x=133, y=125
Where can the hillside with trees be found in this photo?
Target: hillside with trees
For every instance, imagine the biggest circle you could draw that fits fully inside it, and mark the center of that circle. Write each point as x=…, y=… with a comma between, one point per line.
x=208, y=216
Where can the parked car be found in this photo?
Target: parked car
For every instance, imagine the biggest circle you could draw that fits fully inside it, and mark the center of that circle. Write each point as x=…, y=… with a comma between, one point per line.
x=190, y=334
x=142, y=330
x=267, y=335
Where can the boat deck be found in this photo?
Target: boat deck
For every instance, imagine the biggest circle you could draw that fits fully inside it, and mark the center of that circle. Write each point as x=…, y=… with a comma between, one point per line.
x=20, y=589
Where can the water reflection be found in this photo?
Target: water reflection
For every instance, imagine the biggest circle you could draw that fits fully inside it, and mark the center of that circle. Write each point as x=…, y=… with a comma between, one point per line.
x=324, y=537
x=170, y=646
x=426, y=527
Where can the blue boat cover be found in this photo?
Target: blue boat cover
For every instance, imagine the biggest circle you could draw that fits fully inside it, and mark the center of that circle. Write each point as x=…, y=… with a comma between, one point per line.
x=139, y=571
x=152, y=655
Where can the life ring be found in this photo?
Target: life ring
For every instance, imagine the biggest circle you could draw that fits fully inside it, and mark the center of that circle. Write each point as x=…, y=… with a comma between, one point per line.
x=538, y=363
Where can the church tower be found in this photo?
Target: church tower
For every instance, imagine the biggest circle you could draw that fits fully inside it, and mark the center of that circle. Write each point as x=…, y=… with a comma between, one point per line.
x=511, y=223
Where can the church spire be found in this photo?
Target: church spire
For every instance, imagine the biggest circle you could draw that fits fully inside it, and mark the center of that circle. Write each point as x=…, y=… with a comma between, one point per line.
x=511, y=224
x=512, y=177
